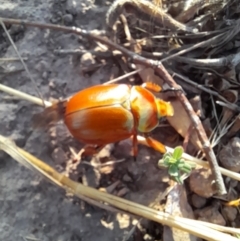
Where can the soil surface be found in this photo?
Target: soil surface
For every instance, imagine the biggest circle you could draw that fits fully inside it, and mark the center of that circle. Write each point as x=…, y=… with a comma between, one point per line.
x=30, y=207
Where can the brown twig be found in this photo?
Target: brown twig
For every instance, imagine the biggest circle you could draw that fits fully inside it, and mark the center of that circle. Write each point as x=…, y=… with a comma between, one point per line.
x=187, y=137
x=196, y=85
x=224, y=102
x=207, y=149
x=230, y=60
x=80, y=52
x=159, y=68
x=229, y=106
x=195, y=46
x=143, y=9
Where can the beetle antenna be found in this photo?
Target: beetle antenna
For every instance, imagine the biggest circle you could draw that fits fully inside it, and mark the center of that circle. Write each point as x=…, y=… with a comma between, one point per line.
x=173, y=89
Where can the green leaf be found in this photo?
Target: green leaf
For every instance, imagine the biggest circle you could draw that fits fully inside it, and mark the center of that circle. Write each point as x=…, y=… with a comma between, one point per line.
x=166, y=155
x=173, y=171
x=172, y=160
x=177, y=152
x=185, y=165
x=166, y=159
x=185, y=169
x=161, y=163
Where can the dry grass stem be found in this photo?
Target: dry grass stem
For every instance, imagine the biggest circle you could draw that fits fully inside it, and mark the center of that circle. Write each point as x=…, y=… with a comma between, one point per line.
x=21, y=59
x=24, y=96
x=203, y=230
x=11, y=59
x=123, y=77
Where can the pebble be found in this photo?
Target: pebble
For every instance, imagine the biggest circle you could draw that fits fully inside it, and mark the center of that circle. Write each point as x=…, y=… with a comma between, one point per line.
x=19, y=138
x=87, y=59
x=68, y=19
x=15, y=29
x=123, y=149
x=132, y=168
x=42, y=66
x=210, y=214
x=197, y=201
x=71, y=7
x=45, y=75
x=230, y=213
x=229, y=155
x=55, y=19
x=59, y=156
x=106, y=151
x=127, y=178
x=123, y=192
x=200, y=182
x=148, y=237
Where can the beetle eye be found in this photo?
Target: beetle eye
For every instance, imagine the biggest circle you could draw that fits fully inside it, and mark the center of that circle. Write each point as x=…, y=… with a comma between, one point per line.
x=164, y=108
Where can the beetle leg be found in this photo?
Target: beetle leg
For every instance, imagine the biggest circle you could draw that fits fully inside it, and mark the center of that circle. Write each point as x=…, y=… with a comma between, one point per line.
x=135, y=146
x=90, y=150
x=173, y=90
x=156, y=145
x=156, y=88
x=152, y=86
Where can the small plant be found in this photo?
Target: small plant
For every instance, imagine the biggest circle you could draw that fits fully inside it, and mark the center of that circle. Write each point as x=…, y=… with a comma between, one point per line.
x=178, y=168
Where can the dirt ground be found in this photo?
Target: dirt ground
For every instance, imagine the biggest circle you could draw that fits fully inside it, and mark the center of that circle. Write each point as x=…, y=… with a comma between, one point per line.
x=31, y=208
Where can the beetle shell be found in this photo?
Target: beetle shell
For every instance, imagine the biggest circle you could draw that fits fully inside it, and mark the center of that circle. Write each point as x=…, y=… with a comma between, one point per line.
x=100, y=114
x=104, y=114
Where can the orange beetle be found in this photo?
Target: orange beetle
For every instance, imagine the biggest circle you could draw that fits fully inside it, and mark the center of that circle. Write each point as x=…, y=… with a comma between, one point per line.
x=104, y=114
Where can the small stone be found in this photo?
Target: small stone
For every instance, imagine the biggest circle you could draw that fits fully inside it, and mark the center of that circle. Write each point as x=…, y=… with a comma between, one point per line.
x=210, y=214
x=229, y=155
x=52, y=84
x=106, y=151
x=87, y=59
x=200, y=182
x=123, y=148
x=42, y=66
x=45, y=75
x=127, y=178
x=19, y=138
x=123, y=192
x=16, y=29
x=54, y=19
x=230, y=213
x=68, y=19
x=132, y=168
x=197, y=201
x=59, y=156
x=231, y=183
x=72, y=7
x=148, y=237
